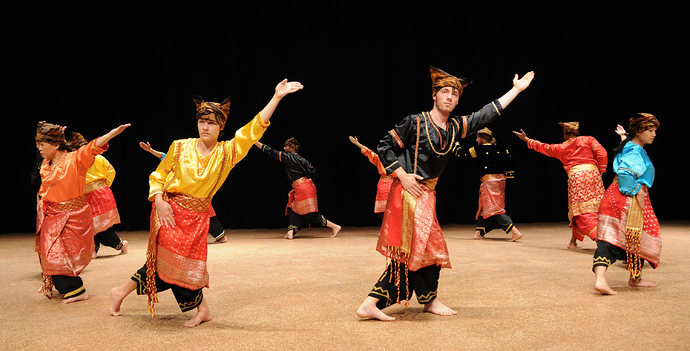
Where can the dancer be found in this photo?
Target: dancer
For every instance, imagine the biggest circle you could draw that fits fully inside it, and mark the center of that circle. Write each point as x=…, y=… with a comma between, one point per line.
x=302, y=207
x=417, y=151
x=100, y=197
x=181, y=189
x=628, y=228
x=385, y=180
x=493, y=164
x=64, y=225
x=215, y=228
x=585, y=160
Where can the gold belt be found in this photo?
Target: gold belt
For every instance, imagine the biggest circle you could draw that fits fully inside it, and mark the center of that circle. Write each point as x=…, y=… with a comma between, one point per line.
x=191, y=203
x=582, y=167
x=95, y=185
x=69, y=205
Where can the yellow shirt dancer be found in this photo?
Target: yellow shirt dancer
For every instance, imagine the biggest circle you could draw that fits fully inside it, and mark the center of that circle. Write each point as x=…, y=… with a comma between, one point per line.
x=181, y=190
x=99, y=179
x=64, y=225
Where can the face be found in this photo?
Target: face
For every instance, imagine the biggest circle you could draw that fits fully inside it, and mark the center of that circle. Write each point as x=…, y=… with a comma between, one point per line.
x=288, y=148
x=481, y=140
x=446, y=99
x=47, y=150
x=209, y=129
x=647, y=137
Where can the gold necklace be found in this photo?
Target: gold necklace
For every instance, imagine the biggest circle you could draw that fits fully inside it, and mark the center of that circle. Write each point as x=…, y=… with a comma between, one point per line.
x=428, y=136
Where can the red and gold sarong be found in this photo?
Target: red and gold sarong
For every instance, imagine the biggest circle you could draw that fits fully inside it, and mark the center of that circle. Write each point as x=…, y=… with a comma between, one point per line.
x=492, y=195
x=625, y=224
x=103, y=206
x=178, y=255
x=383, y=188
x=302, y=197
x=410, y=232
x=585, y=191
x=64, y=237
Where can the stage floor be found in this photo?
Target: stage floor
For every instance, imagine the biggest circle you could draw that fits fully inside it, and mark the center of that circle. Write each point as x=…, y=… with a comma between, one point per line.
x=268, y=293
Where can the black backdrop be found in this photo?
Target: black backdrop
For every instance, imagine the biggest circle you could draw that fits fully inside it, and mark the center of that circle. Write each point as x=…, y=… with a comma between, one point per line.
x=364, y=69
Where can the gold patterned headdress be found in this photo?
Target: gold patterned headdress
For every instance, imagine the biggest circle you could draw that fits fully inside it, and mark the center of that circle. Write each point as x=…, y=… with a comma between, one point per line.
x=570, y=128
x=487, y=134
x=641, y=122
x=441, y=79
x=293, y=143
x=218, y=111
x=50, y=133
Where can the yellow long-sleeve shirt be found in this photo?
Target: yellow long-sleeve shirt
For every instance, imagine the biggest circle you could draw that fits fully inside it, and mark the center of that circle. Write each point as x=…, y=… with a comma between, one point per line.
x=185, y=171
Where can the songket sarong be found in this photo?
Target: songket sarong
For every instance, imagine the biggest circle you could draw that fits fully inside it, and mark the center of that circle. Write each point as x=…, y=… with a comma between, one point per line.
x=625, y=224
x=410, y=232
x=103, y=206
x=64, y=238
x=383, y=188
x=302, y=198
x=585, y=191
x=178, y=255
x=492, y=195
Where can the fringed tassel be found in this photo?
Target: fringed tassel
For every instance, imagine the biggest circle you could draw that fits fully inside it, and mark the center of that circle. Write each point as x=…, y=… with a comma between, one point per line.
x=150, y=289
x=398, y=258
x=633, y=233
x=47, y=286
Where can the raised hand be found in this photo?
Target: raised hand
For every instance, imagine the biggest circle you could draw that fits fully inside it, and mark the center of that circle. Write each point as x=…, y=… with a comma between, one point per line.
x=521, y=134
x=523, y=82
x=284, y=87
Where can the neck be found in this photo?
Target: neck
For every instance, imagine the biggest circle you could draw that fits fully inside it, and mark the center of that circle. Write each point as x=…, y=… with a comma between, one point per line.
x=637, y=141
x=206, y=147
x=439, y=116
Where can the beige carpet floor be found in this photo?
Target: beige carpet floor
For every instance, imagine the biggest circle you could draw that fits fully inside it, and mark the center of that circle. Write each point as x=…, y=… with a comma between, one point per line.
x=268, y=293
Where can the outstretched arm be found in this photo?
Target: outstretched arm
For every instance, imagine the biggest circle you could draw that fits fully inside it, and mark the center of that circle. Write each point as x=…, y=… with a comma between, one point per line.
x=102, y=140
x=519, y=85
x=283, y=88
x=147, y=147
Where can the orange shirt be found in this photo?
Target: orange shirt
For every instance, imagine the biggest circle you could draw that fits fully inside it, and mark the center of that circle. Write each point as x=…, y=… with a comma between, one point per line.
x=66, y=179
x=574, y=151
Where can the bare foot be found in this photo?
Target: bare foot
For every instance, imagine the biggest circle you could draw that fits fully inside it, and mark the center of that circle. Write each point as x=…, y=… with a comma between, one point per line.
x=516, y=235
x=478, y=235
x=203, y=315
x=436, y=307
x=336, y=229
x=603, y=288
x=369, y=310
x=573, y=243
x=641, y=283
x=81, y=297
x=289, y=234
x=572, y=246
x=123, y=249
x=222, y=240
x=94, y=254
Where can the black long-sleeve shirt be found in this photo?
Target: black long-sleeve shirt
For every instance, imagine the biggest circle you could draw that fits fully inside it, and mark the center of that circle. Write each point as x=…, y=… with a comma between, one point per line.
x=397, y=148
x=296, y=166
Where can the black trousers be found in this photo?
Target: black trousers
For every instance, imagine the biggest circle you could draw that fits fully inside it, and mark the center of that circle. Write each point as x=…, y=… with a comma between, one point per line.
x=423, y=282
x=216, y=228
x=69, y=286
x=187, y=299
x=502, y=221
x=108, y=238
x=297, y=221
x=607, y=254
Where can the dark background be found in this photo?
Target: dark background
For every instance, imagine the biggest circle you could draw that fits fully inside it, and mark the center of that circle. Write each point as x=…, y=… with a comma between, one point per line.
x=364, y=69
